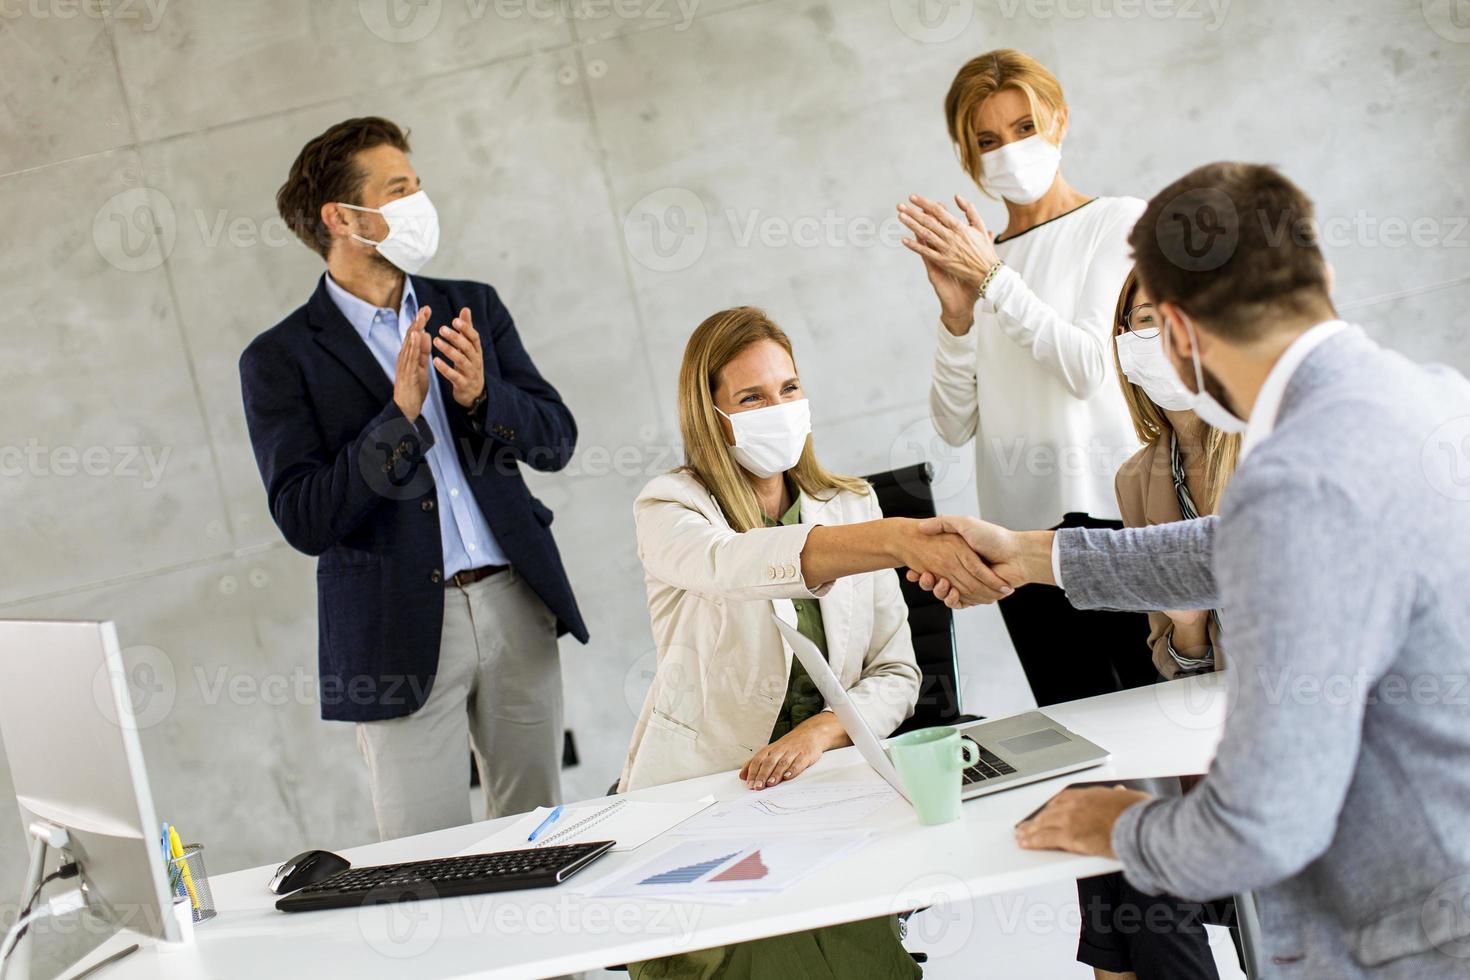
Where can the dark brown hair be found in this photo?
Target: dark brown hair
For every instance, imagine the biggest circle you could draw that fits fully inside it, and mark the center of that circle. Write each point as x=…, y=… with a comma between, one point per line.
x=326, y=170
x=1234, y=245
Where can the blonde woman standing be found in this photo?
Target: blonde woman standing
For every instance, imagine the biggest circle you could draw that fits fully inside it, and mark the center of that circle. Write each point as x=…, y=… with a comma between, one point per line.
x=1023, y=365
x=752, y=525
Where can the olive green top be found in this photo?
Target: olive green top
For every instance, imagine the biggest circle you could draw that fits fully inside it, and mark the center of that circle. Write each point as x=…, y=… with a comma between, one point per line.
x=803, y=700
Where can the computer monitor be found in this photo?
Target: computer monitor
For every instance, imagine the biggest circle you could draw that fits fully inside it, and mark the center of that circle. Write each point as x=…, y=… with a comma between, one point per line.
x=66, y=718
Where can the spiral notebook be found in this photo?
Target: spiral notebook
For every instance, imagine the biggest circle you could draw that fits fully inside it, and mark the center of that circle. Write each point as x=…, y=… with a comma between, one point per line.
x=632, y=823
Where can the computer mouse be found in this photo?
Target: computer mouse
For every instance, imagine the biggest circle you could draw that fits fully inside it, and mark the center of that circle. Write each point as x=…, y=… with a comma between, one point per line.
x=307, y=868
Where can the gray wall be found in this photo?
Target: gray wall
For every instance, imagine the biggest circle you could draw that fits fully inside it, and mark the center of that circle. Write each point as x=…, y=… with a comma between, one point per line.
x=617, y=178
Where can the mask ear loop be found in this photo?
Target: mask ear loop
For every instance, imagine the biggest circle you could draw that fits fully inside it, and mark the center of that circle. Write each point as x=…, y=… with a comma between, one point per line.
x=733, y=433
x=1199, y=375
x=355, y=235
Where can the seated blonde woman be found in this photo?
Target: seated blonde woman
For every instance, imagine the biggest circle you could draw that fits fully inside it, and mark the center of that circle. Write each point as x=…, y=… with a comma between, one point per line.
x=752, y=524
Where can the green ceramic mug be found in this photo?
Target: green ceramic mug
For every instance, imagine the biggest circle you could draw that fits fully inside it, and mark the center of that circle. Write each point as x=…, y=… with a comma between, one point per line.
x=929, y=762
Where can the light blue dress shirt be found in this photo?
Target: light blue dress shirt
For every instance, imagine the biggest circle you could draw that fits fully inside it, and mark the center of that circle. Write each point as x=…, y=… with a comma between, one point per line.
x=466, y=537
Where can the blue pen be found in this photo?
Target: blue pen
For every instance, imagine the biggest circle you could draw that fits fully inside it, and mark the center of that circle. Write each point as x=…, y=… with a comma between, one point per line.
x=551, y=818
x=174, y=876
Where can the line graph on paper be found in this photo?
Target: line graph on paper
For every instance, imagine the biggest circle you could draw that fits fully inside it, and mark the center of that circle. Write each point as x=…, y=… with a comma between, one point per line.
x=857, y=804
x=793, y=808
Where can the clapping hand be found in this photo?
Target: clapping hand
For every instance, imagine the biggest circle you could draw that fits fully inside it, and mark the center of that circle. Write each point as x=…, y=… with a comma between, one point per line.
x=963, y=249
x=465, y=369
x=411, y=375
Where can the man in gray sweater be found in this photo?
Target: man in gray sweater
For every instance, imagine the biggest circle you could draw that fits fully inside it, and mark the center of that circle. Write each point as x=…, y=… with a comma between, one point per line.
x=1340, y=564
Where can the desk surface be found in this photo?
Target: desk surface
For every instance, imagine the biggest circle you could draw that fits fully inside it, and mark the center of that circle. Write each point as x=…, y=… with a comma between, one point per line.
x=1167, y=729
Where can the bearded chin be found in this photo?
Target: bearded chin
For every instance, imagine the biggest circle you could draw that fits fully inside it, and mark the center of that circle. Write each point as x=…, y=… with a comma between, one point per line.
x=1217, y=391
x=381, y=263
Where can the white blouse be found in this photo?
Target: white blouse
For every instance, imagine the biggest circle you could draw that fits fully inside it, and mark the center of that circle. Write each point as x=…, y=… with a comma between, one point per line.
x=1033, y=382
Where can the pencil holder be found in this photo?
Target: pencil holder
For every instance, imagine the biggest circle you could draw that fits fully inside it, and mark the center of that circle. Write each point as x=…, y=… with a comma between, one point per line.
x=188, y=880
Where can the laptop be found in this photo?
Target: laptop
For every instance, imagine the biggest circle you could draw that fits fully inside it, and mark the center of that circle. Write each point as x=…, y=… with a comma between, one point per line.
x=1024, y=748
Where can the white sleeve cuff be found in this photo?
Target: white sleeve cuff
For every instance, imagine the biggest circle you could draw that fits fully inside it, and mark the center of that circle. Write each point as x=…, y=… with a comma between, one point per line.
x=1002, y=286
x=1056, y=560
x=957, y=351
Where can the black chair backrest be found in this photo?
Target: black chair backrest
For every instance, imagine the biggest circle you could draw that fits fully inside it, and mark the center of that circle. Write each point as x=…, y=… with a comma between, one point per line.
x=907, y=493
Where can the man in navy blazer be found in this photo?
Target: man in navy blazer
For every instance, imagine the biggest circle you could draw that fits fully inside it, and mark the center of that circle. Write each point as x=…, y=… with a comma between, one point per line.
x=390, y=442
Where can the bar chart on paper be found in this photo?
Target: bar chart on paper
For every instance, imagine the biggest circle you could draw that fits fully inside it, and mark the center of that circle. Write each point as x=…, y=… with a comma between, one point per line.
x=729, y=870
x=686, y=874
x=748, y=868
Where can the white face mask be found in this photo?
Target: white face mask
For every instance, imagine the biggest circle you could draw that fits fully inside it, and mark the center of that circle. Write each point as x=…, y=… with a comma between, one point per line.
x=770, y=440
x=1021, y=172
x=1146, y=365
x=413, y=231
x=1201, y=402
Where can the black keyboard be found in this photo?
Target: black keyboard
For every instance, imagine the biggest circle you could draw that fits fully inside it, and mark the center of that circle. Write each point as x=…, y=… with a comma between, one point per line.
x=472, y=874
x=989, y=767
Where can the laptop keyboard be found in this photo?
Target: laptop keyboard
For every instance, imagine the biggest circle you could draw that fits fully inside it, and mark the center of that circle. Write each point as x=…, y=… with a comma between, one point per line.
x=989, y=767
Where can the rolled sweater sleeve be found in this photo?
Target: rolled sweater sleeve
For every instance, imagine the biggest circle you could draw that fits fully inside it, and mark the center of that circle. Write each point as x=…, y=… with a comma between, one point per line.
x=1076, y=352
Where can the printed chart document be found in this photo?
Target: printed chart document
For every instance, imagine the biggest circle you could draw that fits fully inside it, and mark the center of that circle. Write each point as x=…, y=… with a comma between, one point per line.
x=632, y=823
x=801, y=806
x=728, y=869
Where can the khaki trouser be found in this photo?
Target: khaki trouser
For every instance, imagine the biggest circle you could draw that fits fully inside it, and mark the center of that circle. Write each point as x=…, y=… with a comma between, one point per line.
x=498, y=690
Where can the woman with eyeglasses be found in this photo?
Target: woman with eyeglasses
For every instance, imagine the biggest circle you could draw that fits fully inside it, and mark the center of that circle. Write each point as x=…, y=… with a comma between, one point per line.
x=1178, y=475
x=1023, y=365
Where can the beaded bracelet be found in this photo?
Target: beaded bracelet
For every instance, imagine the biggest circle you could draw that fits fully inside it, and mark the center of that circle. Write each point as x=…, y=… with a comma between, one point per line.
x=985, y=283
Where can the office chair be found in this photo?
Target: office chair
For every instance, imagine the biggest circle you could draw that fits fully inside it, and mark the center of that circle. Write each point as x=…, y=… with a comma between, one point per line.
x=907, y=492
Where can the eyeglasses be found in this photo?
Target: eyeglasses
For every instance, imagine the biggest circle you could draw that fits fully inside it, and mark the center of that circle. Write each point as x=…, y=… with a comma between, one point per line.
x=1143, y=321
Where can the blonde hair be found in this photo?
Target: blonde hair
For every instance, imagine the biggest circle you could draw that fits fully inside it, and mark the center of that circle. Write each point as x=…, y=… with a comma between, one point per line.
x=981, y=78
x=1222, y=449
x=716, y=342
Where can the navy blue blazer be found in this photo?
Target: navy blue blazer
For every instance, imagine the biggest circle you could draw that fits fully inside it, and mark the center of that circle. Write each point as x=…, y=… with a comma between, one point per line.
x=348, y=481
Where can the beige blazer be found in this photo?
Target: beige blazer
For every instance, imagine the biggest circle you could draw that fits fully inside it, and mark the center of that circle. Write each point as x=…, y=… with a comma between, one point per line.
x=1145, y=489
x=723, y=666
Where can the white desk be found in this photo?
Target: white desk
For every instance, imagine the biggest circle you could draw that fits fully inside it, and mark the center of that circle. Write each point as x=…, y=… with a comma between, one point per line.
x=1168, y=729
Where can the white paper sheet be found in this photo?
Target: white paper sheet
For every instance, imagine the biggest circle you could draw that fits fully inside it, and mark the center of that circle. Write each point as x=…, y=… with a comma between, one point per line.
x=632, y=824
x=798, y=807
x=728, y=869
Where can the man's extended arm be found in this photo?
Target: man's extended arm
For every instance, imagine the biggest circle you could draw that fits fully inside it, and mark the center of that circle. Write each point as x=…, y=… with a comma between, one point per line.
x=1166, y=566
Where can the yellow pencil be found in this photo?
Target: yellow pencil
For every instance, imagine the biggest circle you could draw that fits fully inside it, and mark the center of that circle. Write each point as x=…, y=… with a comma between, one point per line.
x=177, y=847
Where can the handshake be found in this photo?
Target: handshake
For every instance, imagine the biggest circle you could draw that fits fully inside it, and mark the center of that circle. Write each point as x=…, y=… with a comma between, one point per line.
x=966, y=561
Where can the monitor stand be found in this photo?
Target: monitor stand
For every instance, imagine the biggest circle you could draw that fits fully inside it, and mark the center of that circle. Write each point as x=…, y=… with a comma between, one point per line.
x=17, y=961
